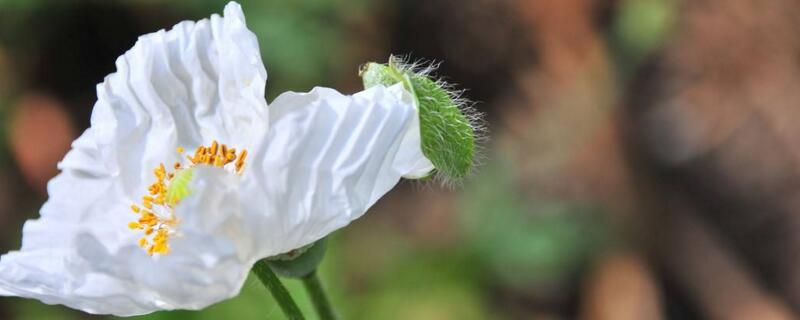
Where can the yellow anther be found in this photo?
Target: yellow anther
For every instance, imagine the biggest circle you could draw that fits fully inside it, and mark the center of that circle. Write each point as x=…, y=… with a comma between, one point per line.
x=148, y=217
x=154, y=189
x=160, y=172
x=198, y=155
x=214, y=146
x=153, y=221
x=240, y=161
x=160, y=248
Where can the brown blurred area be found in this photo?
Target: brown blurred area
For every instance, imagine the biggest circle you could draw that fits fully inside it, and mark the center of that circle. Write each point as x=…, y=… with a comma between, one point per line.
x=693, y=152
x=675, y=121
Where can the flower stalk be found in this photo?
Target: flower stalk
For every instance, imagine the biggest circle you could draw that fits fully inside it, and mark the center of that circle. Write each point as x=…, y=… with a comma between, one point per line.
x=318, y=297
x=279, y=292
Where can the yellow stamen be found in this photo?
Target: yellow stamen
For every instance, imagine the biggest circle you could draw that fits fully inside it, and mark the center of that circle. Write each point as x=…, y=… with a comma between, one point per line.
x=214, y=146
x=157, y=215
x=240, y=161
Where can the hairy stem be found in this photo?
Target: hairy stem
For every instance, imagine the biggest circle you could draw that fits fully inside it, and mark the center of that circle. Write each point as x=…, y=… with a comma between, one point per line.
x=318, y=297
x=279, y=292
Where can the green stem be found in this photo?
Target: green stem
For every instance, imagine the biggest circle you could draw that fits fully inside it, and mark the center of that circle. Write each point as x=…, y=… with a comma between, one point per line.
x=318, y=296
x=279, y=292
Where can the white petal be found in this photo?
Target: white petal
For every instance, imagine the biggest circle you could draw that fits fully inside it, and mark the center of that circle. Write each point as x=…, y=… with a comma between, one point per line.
x=184, y=87
x=418, y=165
x=198, y=82
x=327, y=158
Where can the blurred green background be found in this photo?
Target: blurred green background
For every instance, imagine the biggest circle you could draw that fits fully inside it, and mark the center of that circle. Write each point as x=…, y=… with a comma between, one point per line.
x=562, y=218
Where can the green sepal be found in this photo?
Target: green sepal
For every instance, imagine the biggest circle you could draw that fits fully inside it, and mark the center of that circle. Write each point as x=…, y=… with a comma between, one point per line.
x=448, y=135
x=298, y=263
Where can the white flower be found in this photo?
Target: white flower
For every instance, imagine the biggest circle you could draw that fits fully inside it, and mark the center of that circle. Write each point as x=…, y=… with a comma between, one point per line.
x=290, y=174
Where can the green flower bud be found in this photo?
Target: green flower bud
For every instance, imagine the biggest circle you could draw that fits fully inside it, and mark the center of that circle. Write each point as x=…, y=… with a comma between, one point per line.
x=449, y=127
x=300, y=262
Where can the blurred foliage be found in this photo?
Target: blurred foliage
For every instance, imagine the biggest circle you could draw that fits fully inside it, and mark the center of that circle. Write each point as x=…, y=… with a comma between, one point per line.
x=391, y=278
x=640, y=27
x=642, y=24
x=4, y=127
x=303, y=43
x=527, y=243
x=426, y=286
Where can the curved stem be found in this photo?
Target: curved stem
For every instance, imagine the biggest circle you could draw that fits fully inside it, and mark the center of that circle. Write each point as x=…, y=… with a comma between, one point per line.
x=279, y=292
x=318, y=296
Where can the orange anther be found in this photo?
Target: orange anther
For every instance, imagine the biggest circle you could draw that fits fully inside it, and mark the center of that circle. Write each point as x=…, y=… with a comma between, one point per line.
x=214, y=146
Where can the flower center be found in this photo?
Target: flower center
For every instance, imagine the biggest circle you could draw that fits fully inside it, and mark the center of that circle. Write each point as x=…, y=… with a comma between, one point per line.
x=157, y=218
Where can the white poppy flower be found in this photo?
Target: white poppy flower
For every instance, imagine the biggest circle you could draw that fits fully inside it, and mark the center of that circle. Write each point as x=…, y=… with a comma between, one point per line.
x=186, y=177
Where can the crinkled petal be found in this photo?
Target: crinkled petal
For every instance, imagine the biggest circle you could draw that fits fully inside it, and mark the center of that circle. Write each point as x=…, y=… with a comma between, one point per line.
x=199, y=82
x=195, y=83
x=327, y=158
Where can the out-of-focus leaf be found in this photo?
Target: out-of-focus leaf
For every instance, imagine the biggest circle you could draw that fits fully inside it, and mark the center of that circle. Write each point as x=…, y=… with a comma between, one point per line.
x=425, y=287
x=643, y=24
x=526, y=243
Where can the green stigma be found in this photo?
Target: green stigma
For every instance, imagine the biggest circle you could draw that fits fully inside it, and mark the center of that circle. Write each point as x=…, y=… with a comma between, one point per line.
x=178, y=188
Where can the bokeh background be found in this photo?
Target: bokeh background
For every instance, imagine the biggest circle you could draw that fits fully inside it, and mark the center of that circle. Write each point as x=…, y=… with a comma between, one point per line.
x=643, y=160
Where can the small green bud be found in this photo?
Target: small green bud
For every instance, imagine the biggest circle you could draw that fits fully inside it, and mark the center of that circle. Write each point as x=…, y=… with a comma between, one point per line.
x=448, y=126
x=300, y=262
